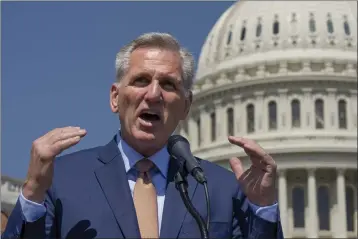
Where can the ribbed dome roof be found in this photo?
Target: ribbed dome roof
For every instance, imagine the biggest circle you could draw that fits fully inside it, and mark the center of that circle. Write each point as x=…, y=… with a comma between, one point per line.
x=251, y=31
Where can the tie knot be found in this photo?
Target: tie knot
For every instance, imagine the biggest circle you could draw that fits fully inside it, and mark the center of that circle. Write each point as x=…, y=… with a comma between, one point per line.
x=144, y=165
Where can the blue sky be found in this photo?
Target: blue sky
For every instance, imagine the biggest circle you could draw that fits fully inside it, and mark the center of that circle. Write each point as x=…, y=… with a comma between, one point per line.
x=57, y=62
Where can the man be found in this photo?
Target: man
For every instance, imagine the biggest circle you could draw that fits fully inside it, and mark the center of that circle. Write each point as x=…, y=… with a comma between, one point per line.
x=125, y=189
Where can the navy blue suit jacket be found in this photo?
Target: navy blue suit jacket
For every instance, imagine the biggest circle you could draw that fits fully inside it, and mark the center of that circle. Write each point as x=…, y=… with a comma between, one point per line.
x=90, y=198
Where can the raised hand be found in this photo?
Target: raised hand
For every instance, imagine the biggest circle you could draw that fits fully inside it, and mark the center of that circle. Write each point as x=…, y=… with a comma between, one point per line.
x=257, y=182
x=43, y=152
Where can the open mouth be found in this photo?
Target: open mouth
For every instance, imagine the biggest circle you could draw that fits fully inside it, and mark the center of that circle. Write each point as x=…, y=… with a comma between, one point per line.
x=150, y=117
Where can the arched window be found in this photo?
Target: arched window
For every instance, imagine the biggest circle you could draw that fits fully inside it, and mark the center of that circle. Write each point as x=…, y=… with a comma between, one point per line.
x=295, y=113
x=312, y=24
x=342, y=114
x=350, y=208
x=228, y=41
x=347, y=30
x=272, y=111
x=250, y=118
x=298, y=206
x=323, y=208
x=276, y=26
x=198, y=126
x=258, y=29
x=243, y=33
x=213, y=126
x=319, y=114
x=330, y=26
x=230, y=121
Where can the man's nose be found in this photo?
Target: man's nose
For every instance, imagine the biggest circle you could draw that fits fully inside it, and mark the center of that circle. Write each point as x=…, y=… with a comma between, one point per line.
x=154, y=93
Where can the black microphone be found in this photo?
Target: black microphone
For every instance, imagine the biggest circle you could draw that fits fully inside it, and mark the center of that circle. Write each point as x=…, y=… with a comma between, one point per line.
x=179, y=148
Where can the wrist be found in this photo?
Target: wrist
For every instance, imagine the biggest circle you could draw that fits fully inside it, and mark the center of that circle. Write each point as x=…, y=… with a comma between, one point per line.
x=33, y=191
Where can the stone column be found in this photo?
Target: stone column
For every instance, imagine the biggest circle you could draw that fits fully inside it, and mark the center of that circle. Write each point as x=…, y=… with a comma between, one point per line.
x=220, y=114
x=341, y=202
x=193, y=132
x=283, y=111
x=307, y=110
x=260, y=112
x=239, y=114
x=205, y=125
x=312, y=223
x=282, y=198
x=352, y=111
x=331, y=110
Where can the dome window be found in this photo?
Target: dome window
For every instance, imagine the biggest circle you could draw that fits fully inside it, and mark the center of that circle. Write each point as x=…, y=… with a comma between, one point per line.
x=319, y=114
x=213, y=126
x=347, y=30
x=228, y=41
x=312, y=23
x=230, y=121
x=323, y=197
x=259, y=28
x=330, y=24
x=342, y=114
x=295, y=113
x=250, y=113
x=276, y=26
x=243, y=33
x=272, y=111
x=351, y=209
x=298, y=205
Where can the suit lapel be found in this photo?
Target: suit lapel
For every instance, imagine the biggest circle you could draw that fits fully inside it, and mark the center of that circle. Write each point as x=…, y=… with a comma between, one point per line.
x=174, y=209
x=114, y=184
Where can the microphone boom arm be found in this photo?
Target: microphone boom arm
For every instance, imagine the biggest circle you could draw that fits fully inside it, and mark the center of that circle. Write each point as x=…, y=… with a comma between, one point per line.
x=182, y=185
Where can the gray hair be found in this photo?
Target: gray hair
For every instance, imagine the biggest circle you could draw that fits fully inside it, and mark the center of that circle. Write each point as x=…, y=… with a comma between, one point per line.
x=160, y=40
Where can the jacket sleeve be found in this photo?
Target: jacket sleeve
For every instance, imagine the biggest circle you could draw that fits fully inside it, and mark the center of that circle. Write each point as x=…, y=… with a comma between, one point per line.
x=18, y=225
x=248, y=224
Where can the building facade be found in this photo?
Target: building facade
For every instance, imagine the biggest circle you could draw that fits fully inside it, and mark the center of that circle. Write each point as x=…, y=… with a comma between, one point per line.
x=284, y=73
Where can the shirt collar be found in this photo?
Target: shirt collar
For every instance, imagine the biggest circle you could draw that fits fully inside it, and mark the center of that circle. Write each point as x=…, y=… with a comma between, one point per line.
x=131, y=157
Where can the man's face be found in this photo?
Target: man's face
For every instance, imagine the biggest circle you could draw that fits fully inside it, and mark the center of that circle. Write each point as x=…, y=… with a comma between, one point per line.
x=150, y=98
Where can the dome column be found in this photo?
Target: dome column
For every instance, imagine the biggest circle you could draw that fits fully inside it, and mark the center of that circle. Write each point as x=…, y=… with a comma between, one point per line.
x=282, y=198
x=193, y=132
x=312, y=217
x=332, y=111
x=261, y=114
x=221, y=122
x=239, y=110
x=205, y=125
x=352, y=111
x=283, y=109
x=341, y=219
x=307, y=110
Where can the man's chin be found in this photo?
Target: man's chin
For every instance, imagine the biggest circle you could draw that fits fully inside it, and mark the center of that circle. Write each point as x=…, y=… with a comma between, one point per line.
x=145, y=135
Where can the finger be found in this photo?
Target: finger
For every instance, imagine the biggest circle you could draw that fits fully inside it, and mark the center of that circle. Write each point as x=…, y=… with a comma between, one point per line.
x=236, y=167
x=66, y=133
x=239, y=141
x=252, y=149
x=60, y=146
x=56, y=131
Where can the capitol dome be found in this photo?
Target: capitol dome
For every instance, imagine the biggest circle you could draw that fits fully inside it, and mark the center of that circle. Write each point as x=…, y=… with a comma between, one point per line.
x=284, y=73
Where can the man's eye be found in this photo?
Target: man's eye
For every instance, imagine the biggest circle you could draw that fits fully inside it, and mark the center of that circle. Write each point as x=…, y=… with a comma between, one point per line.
x=141, y=81
x=167, y=85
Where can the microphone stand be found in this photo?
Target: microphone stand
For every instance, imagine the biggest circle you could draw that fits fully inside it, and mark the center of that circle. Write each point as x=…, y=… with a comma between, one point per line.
x=182, y=185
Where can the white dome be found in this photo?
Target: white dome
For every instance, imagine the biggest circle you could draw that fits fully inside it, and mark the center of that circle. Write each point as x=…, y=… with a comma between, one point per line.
x=236, y=39
x=291, y=86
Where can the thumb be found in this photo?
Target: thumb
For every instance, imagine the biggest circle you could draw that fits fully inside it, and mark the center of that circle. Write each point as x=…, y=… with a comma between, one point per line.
x=236, y=167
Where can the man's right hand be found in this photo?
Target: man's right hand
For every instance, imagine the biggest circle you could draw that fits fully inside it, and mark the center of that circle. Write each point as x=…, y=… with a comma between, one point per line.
x=43, y=152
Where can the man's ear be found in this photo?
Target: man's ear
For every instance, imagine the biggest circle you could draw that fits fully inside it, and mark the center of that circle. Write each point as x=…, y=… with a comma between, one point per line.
x=114, y=95
x=188, y=102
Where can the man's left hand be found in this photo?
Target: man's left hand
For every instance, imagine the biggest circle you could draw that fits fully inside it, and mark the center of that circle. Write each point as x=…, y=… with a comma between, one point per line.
x=257, y=182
